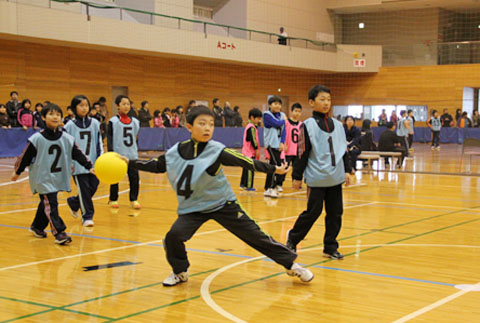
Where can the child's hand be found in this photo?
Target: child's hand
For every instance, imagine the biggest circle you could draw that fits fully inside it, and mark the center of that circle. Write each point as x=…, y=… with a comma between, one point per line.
x=348, y=179
x=14, y=176
x=280, y=170
x=285, y=148
x=297, y=184
x=92, y=171
x=125, y=159
x=281, y=147
x=25, y=127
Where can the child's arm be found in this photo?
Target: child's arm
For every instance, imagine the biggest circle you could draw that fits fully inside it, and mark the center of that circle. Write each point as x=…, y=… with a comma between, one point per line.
x=155, y=165
x=230, y=157
x=79, y=156
x=110, y=136
x=271, y=122
x=303, y=151
x=24, y=160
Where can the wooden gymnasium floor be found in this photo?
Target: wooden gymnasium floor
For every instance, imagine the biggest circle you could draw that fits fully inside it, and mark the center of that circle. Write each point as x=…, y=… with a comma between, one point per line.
x=409, y=239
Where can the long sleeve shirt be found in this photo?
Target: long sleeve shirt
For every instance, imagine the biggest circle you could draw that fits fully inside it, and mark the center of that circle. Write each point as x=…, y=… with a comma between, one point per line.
x=252, y=137
x=30, y=152
x=191, y=149
x=270, y=122
x=305, y=146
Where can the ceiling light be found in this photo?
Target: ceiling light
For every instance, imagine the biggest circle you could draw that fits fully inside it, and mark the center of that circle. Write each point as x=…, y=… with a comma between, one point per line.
x=361, y=25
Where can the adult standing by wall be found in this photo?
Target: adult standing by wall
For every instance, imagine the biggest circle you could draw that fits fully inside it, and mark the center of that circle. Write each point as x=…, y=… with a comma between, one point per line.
x=144, y=115
x=446, y=119
x=218, y=113
x=282, y=39
x=13, y=105
x=229, y=115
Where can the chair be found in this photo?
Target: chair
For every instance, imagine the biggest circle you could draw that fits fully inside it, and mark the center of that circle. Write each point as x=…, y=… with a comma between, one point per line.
x=468, y=144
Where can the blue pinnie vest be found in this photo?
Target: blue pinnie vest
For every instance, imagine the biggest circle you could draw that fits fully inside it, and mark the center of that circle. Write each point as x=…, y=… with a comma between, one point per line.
x=125, y=137
x=272, y=136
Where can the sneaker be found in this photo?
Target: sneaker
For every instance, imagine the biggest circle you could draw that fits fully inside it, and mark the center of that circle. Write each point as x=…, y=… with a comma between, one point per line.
x=72, y=211
x=268, y=192
x=290, y=245
x=243, y=188
x=37, y=233
x=304, y=274
x=433, y=148
x=333, y=255
x=274, y=193
x=279, y=189
x=251, y=189
x=135, y=205
x=437, y=148
x=175, y=279
x=113, y=204
x=62, y=239
x=88, y=223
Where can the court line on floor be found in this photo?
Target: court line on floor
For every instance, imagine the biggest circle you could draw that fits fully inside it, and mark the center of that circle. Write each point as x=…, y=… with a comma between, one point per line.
x=135, y=244
x=205, y=287
x=62, y=204
x=345, y=238
x=208, y=232
x=438, y=303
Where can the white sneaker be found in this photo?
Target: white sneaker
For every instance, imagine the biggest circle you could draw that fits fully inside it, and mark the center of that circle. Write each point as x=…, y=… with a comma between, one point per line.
x=88, y=223
x=274, y=193
x=279, y=189
x=268, y=192
x=175, y=279
x=304, y=274
x=438, y=148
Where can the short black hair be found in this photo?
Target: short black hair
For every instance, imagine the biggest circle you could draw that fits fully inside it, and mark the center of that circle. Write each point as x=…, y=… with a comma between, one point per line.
x=167, y=109
x=13, y=92
x=51, y=107
x=143, y=103
x=274, y=99
x=95, y=104
x=349, y=117
x=366, y=124
x=296, y=105
x=102, y=99
x=403, y=112
x=24, y=102
x=192, y=101
x=38, y=105
x=434, y=111
x=118, y=99
x=156, y=113
x=77, y=99
x=198, y=111
x=254, y=112
x=69, y=108
x=215, y=100
x=236, y=108
x=46, y=102
x=315, y=90
x=2, y=105
x=409, y=111
x=390, y=125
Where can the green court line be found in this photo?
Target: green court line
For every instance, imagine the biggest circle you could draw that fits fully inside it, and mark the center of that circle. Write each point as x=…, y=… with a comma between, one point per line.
x=314, y=264
x=65, y=307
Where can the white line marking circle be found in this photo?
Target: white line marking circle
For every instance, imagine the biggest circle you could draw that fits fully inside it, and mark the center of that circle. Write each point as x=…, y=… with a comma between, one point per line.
x=205, y=288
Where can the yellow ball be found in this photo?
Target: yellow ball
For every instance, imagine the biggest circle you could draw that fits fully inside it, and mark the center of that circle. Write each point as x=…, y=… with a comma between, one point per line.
x=110, y=169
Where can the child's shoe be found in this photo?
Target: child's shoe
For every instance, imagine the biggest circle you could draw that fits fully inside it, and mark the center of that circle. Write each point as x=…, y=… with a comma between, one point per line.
x=135, y=205
x=113, y=204
x=72, y=211
x=62, y=239
x=88, y=223
x=37, y=233
x=304, y=274
x=175, y=279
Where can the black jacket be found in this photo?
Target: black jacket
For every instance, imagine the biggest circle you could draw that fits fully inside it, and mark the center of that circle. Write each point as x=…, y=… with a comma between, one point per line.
x=144, y=117
x=387, y=141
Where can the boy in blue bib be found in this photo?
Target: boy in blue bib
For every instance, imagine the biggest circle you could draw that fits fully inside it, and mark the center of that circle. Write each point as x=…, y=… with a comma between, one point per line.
x=323, y=157
x=49, y=156
x=194, y=169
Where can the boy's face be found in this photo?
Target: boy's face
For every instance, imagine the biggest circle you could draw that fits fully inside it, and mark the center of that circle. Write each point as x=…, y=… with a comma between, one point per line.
x=202, y=128
x=14, y=96
x=93, y=112
x=276, y=107
x=349, y=122
x=39, y=108
x=124, y=106
x=70, y=112
x=53, y=119
x=3, y=110
x=296, y=113
x=256, y=120
x=435, y=114
x=321, y=103
x=82, y=109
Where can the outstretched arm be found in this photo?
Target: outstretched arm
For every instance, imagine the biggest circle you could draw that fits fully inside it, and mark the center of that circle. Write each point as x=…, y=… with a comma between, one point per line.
x=155, y=165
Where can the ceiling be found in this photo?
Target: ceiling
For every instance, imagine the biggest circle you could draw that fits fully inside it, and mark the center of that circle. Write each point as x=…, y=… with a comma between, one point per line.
x=213, y=4
x=395, y=5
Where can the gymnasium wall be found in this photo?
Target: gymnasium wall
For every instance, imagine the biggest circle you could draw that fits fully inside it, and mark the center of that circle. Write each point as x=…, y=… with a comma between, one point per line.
x=57, y=73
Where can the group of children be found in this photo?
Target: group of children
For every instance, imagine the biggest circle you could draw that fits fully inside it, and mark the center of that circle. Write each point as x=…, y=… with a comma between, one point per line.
x=195, y=172
x=25, y=118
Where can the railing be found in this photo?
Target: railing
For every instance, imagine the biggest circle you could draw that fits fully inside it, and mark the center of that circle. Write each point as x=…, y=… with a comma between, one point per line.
x=153, y=18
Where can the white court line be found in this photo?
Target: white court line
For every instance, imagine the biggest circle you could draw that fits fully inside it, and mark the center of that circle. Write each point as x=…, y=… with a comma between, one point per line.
x=63, y=204
x=135, y=245
x=278, y=220
x=436, y=304
x=205, y=287
x=13, y=182
x=420, y=205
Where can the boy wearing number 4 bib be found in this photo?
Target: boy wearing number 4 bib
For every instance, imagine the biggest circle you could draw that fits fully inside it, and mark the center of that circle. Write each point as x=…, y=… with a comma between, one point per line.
x=49, y=155
x=195, y=171
x=323, y=157
x=122, y=132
